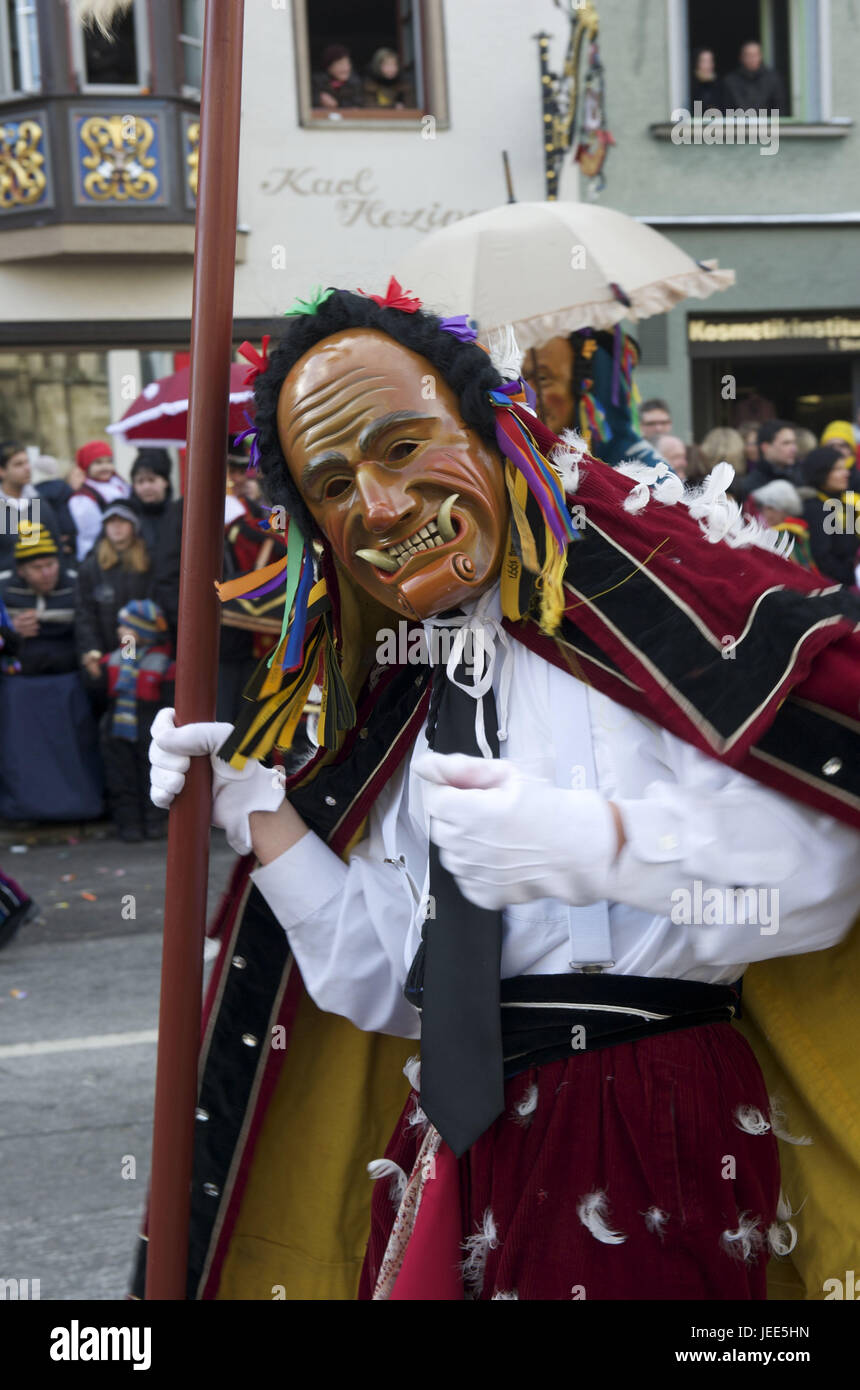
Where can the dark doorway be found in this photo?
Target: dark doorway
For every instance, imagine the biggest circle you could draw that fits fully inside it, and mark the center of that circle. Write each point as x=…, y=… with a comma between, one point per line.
x=808, y=391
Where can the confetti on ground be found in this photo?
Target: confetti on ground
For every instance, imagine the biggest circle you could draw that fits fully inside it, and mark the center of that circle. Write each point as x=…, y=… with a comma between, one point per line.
x=18, y=849
x=119, y=872
x=90, y=897
x=68, y=878
x=102, y=870
x=61, y=904
x=18, y=993
x=72, y=840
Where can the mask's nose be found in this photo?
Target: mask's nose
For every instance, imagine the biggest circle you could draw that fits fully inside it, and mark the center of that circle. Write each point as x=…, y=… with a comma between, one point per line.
x=384, y=500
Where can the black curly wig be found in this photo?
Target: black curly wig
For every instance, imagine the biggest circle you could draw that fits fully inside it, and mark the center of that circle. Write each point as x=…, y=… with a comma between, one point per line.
x=465, y=368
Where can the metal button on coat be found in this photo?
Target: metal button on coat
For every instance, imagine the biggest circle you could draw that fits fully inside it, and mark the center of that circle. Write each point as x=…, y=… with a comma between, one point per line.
x=239, y=962
x=201, y=1114
x=211, y=1190
x=249, y=1040
x=832, y=766
x=330, y=801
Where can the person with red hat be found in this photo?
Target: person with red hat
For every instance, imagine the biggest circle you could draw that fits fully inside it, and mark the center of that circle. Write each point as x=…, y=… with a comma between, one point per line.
x=103, y=485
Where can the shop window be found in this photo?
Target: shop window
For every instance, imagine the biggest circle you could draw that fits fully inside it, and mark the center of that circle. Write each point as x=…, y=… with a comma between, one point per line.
x=118, y=62
x=794, y=39
x=380, y=62
x=20, y=69
x=191, y=44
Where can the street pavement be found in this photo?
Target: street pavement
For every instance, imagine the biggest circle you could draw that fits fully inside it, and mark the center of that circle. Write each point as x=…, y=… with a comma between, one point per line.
x=78, y=1025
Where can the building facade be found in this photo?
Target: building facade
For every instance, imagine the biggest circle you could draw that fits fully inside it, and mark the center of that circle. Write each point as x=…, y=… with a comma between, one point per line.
x=98, y=153
x=782, y=208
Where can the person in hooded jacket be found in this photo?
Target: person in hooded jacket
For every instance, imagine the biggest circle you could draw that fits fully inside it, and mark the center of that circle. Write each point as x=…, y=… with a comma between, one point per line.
x=831, y=518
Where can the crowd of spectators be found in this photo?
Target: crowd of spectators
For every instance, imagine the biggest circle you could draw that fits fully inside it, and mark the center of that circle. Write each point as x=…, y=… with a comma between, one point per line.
x=89, y=582
x=785, y=475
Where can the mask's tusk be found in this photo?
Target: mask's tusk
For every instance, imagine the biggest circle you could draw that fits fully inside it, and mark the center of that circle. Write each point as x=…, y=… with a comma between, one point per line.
x=378, y=558
x=443, y=521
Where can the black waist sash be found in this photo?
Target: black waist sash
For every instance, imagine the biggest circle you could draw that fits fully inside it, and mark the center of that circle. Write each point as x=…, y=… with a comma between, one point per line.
x=547, y=1018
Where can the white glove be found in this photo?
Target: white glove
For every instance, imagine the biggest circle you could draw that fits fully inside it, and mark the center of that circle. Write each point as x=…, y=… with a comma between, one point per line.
x=507, y=839
x=235, y=795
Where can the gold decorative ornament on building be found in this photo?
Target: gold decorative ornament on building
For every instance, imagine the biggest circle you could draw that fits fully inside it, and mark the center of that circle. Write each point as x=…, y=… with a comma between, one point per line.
x=560, y=92
x=119, y=164
x=22, y=177
x=192, y=159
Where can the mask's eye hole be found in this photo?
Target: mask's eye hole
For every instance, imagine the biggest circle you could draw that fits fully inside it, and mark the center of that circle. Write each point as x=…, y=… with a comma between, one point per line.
x=400, y=452
x=336, y=487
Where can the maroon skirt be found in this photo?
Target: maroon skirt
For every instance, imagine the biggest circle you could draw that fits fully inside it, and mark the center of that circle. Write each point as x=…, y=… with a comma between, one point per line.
x=641, y=1171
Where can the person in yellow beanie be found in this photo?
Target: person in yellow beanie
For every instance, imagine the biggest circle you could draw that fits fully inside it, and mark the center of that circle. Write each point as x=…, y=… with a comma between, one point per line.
x=40, y=598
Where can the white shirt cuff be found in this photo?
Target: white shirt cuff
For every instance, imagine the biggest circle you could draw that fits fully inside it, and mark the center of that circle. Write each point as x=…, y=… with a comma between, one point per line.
x=301, y=881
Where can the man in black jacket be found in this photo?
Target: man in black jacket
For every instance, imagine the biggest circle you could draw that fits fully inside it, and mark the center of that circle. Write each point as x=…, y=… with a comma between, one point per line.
x=40, y=598
x=752, y=86
x=777, y=448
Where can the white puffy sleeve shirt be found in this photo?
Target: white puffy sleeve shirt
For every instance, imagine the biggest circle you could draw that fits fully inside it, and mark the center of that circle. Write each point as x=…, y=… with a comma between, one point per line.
x=693, y=826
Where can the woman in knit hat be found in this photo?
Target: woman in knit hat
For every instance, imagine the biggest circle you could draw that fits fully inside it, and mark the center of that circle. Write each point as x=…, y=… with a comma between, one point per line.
x=830, y=515
x=117, y=570
x=139, y=674
x=152, y=492
x=103, y=485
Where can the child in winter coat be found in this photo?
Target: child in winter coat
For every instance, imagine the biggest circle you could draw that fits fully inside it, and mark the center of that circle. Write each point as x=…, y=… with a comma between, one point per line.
x=137, y=674
x=102, y=486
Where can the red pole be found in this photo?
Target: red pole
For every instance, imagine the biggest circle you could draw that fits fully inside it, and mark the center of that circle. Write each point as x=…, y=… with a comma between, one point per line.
x=202, y=541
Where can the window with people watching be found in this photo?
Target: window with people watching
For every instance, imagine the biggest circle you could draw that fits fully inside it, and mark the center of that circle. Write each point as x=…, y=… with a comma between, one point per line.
x=382, y=63
x=751, y=55
x=739, y=55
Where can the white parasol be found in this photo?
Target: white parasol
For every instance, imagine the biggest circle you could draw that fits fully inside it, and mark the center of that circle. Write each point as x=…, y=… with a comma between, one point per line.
x=550, y=268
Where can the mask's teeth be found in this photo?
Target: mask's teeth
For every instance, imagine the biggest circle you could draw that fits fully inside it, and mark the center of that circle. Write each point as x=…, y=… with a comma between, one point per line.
x=380, y=559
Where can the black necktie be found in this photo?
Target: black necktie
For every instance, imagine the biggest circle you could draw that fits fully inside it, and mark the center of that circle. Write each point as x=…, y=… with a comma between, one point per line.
x=462, y=1086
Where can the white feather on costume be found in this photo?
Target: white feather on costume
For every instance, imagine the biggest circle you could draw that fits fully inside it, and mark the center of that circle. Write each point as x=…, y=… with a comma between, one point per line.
x=593, y=1211
x=750, y=1119
x=387, y=1168
x=477, y=1250
x=505, y=353
x=719, y=516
